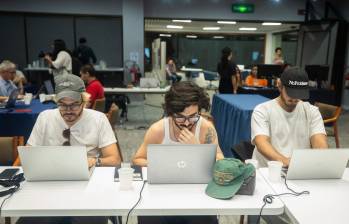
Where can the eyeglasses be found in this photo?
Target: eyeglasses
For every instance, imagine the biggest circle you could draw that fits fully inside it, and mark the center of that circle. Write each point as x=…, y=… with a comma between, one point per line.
x=65, y=107
x=66, y=134
x=181, y=119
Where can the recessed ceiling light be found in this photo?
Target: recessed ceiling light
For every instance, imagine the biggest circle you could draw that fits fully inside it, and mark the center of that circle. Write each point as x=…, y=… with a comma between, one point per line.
x=174, y=27
x=181, y=20
x=271, y=24
x=191, y=36
x=164, y=35
x=211, y=28
x=248, y=28
x=218, y=37
x=226, y=22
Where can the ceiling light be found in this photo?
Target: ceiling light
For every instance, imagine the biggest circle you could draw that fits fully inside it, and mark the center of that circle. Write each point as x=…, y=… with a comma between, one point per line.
x=174, y=27
x=181, y=20
x=226, y=22
x=248, y=28
x=211, y=28
x=271, y=24
x=164, y=35
x=191, y=36
x=218, y=37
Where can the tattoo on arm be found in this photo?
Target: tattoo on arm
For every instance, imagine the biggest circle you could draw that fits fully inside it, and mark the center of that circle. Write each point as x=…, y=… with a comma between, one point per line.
x=210, y=136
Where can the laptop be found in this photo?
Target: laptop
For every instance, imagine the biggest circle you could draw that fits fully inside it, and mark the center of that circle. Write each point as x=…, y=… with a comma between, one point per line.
x=54, y=163
x=49, y=87
x=180, y=164
x=317, y=164
x=11, y=102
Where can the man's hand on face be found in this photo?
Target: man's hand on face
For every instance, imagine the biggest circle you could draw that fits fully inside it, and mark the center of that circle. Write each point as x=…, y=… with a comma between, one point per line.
x=187, y=137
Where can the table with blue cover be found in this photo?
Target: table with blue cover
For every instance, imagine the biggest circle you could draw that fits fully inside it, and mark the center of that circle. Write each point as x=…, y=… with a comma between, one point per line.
x=232, y=118
x=20, y=122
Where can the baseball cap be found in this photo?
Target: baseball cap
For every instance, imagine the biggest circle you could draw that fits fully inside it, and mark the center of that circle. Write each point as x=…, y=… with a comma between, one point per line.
x=296, y=82
x=70, y=86
x=228, y=176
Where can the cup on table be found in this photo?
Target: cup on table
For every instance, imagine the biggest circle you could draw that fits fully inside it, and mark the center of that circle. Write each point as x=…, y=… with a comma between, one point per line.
x=28, y=98
x=42, y=97
x=125, y=176
x=254, y=162
x=274, y=168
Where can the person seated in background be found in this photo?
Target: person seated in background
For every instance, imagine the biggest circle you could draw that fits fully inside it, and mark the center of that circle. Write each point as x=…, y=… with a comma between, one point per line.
x=171, y=71
x=84, y=53
x=286, y=123
x=20, y=81
x=7, y=74
x=181, y=125
x=278, y=59
x=252, y=79
x=72, y=124
x=93, y=86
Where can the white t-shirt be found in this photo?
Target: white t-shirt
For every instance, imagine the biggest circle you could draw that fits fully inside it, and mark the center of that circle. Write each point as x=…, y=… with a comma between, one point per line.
x=92, y=130
x=63, y=64
x=287, y=130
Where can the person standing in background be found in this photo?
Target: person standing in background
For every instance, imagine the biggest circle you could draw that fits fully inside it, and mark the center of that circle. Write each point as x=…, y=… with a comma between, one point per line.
x=228, y=82
x=171, y=71
x=85, y=53
x=278, y=59
x=61, y=61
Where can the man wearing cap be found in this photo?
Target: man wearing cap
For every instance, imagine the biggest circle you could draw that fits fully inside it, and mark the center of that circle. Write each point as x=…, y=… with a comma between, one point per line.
x=72, y=124
x=286, y=123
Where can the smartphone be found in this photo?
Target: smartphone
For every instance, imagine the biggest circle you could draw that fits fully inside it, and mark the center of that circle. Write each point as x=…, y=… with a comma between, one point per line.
x=8, y=173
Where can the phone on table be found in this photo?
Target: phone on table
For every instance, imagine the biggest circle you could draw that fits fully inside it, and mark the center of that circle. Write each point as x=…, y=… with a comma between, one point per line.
x=8, y=173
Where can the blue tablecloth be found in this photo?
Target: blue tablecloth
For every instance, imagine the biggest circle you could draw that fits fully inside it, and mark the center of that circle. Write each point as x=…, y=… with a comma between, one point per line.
x=232, y=117
x=14, y=122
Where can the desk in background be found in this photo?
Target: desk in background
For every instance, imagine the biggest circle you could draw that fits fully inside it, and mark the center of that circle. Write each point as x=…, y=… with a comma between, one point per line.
x=315, y=95
x=14, y=123
x=326, y=203
x=232, y=118
x=100, y=196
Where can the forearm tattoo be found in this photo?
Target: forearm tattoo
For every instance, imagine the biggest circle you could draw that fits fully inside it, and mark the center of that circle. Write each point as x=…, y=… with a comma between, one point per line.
x=210, y=136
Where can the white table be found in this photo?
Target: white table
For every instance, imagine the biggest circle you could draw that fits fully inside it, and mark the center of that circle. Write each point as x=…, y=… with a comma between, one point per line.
x=137, y=90
x=328, y=201
x=101, y=197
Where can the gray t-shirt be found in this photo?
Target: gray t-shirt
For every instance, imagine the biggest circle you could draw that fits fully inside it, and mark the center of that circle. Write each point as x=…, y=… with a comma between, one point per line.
x=92, y=130
x=287, y=130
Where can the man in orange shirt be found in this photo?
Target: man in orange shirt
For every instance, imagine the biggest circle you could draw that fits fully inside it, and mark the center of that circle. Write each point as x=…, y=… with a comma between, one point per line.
x=93, y=86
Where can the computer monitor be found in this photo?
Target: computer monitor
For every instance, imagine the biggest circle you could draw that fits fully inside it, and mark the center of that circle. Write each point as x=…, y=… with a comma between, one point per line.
x=147, y=52
x=269, y=70
x=317, y=72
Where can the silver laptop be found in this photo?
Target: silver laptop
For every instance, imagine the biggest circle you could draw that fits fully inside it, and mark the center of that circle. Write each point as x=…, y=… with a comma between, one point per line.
x=317, y=164
x=180, y=164
x=11, y=102
x=53, y=163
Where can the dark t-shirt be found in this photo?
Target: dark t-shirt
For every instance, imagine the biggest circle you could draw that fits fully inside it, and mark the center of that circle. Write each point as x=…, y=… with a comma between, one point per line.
x=226, y=72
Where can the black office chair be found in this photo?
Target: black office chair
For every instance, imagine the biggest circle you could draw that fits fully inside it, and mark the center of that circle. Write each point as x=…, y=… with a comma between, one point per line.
x=243, y=150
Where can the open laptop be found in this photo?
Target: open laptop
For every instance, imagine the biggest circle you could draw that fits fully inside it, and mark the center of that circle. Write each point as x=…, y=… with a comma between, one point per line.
x=11, y=102
x=53, y=163
x=180, y=164
x=49, y=87
x=317, y=164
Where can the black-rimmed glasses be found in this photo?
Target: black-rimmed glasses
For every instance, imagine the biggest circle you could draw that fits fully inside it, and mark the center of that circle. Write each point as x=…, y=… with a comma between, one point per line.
x=66, y=134
x=181, y=118
x=65, y=107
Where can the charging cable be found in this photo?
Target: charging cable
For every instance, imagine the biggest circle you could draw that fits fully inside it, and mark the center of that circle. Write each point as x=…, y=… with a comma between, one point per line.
x=139, y=199
x=268, y=199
